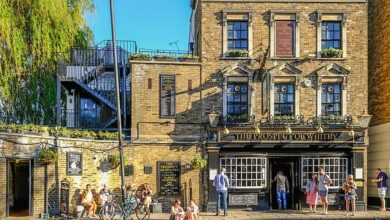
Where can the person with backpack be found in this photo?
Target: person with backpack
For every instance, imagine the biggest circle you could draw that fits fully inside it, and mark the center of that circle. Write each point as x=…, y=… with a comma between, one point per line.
x=381, y=183
x=221, y=182
x=282, y=188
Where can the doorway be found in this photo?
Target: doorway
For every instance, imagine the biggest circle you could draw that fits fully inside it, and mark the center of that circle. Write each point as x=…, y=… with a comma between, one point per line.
x=289, y=168
x=19, y=188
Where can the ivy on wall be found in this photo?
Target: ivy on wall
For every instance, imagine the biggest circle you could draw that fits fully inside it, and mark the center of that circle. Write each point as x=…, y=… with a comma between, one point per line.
x=33, y=34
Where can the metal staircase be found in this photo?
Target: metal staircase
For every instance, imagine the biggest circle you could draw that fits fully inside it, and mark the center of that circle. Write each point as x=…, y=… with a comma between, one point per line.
x=90, y=71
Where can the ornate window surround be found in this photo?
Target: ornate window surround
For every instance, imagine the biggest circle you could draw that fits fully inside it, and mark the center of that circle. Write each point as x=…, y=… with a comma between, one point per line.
x=237, y=15
x=284, y=73
x=238, y=73
x=275, y=15
x=332, y=15
x=332, y=73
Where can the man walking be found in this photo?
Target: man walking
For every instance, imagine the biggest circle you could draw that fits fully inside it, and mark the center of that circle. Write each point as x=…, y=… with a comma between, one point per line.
x=221, y=182
x=323, y=185
x=381, y=183
x=282, y=188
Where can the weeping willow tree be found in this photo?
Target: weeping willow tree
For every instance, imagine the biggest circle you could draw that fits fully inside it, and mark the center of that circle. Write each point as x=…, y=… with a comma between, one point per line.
x=32, y=35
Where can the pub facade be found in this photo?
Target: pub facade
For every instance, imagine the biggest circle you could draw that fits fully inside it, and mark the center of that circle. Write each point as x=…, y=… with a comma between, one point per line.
x=284, y=88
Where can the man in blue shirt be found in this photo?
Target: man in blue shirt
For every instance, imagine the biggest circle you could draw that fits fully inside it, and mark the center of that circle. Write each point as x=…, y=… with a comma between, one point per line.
x=381, y=183
x=221, y=182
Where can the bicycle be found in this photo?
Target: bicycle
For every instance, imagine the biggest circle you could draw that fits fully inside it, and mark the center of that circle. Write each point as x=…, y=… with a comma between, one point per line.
x=117, y=210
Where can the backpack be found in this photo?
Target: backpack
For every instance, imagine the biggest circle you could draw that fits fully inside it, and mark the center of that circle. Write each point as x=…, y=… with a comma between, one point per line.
x=385, y=179
x=222, y=180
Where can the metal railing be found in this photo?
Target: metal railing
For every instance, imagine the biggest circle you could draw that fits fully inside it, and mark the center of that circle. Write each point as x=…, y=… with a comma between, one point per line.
x=171, y=53
x=85, y=119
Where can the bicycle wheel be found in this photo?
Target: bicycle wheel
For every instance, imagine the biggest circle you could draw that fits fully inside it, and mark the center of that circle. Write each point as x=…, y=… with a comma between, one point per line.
x=142, y=212
x=109, y=211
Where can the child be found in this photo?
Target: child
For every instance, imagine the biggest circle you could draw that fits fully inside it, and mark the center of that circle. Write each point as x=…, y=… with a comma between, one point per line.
x=192, y=211
x=349, y=188
x=177, y=212
x=312, y=192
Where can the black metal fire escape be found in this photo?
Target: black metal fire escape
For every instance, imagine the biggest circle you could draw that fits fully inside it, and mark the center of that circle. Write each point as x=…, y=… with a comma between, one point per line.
x=85, y=72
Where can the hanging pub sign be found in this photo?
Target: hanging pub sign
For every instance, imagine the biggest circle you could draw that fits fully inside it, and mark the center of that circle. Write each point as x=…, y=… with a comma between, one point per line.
x=169, y=177
x=295, y=137
x=74, y=164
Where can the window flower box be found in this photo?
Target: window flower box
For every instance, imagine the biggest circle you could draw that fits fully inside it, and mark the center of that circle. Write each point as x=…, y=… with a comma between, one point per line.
x=331, y=53
x=244, y=118
x=237, y=53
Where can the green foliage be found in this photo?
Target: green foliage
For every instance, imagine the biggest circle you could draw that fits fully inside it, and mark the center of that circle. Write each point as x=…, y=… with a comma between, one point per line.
x=331, y=52
x=143, y=56
x=237, y=118
x=237, y=53
x=163, y=56
x=198, y=162
x=186, y=57
x=115, y=160
x=47, y=155
x=32, y=34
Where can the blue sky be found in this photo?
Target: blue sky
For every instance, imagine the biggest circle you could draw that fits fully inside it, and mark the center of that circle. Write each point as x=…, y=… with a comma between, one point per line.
x=152, y=23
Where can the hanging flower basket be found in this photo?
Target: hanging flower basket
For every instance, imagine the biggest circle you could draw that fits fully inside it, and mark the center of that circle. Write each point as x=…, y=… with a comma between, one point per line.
x=198, y=162
x=115, y=161
x=47, y=156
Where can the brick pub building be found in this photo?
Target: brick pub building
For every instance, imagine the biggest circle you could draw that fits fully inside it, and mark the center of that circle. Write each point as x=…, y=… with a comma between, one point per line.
x=267, y=94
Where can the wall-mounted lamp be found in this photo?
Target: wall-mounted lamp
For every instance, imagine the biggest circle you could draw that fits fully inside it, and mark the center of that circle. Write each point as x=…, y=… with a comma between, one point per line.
x=365, y=119
x=320, y=129
x=213, y=118
x=257, y=129
x=288, y=130
x=226, y=130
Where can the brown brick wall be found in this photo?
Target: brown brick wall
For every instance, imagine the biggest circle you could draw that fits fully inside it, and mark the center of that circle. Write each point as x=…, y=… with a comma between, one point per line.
x=146, y=102
x=138, y=155
x=379, y=57
x=357, y=59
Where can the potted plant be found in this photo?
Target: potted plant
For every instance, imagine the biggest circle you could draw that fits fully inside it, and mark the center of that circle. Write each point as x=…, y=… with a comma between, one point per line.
x=189, y=58
x=237, y=53
x=115, y=160
x=47, y=155
x=140, y=56
x=331, y=53
x=163, y=57
x=198, y=162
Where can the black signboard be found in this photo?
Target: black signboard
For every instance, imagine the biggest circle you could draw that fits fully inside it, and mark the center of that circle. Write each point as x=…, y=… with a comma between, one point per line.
x=74, y=164
x=169, y=177
x=243, y=199
x=167, y=95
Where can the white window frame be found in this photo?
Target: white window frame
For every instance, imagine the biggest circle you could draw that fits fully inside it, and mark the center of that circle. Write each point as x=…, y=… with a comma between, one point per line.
x=284, y=15
x=263, y=166
x=323, y=16
x=332, y=73
x=284, y=73
x=236, y=15
x=324, y=162
x=238, y=73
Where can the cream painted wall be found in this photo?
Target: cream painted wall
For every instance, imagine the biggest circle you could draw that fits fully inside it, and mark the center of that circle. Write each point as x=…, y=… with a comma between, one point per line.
x=378, y=154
